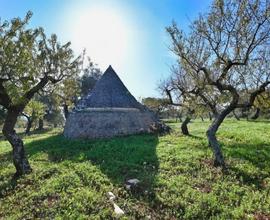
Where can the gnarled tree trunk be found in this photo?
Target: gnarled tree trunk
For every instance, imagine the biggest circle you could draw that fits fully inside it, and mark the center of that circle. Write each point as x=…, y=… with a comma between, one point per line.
x=210, y=116
x=28, y=126
x=212, y=139
x=19, y=158
x=66, y=112
x=40, y=124
x=184, y=127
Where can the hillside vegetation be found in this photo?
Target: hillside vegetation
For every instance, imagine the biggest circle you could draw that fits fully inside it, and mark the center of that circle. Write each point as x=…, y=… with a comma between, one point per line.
x=71, y=178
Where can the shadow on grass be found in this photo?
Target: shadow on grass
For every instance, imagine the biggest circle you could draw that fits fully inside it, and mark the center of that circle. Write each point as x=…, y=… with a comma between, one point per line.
x=118, y=158
x=265, y=121
x=23, y=135
x=257, y=154
x=195, y=137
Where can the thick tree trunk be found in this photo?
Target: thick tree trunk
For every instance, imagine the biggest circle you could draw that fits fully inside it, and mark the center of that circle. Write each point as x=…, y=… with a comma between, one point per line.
x=66, y=112
x=40, y=124
x=213, y=142
x=28, y=126
x=210, y=116
x=19, y=158
x=184, y=127
x=212, y=139
x=257, y=113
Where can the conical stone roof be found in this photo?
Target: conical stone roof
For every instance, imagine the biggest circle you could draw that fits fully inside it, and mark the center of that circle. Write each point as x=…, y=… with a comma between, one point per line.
x=109, y=92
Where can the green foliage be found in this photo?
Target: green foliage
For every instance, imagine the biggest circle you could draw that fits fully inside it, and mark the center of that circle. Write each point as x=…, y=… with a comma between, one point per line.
x=67, y=92
x=53, y=114
x=91, y=74
x=263, y=101
x=155, y=104
x=35, y=110
x=178, y=181
x=28, y=58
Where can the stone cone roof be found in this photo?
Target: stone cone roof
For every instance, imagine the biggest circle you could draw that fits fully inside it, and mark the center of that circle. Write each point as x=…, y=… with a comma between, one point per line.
x=109, y=92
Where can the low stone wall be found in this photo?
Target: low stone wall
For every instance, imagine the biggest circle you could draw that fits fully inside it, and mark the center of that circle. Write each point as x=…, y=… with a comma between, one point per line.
x=110, y=123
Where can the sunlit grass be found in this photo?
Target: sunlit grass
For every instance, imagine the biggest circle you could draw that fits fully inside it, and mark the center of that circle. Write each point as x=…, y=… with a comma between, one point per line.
x=71, y=177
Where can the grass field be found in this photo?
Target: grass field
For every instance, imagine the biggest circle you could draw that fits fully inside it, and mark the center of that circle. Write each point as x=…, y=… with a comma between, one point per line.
x=177, y=180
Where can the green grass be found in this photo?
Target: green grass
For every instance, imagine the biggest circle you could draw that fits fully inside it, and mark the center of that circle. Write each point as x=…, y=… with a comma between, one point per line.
x=70, y=178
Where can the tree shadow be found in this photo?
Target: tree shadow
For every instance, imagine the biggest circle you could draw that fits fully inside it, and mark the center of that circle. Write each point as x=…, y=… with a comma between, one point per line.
x=195, y=137
x=119, y=158
x=10, y=185
x=7, y=156
x=7, y=184
x=257, y=154
x=32, y=132
x=265, y=121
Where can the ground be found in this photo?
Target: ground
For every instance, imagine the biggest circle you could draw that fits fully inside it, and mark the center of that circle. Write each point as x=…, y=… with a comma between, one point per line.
x=70, y=179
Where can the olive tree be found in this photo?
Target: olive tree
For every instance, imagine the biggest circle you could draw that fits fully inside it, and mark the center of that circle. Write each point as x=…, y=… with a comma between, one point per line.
x=70, y=90
x=183, y=91
x=227, y=50
x=33, y=112
x=67, y=93
x=157, y=105
x=91, y=74
x=29, y=61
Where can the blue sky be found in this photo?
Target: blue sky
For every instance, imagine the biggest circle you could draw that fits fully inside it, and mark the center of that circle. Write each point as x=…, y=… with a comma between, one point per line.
x=128, y=34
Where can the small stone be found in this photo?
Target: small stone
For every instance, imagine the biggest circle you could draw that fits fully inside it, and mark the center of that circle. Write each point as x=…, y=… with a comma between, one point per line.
x=133, y=181
x=127, y=186
x=111, y=196
x=118, y=211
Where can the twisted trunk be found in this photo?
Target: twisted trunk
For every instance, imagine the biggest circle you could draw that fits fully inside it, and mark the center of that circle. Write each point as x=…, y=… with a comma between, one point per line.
x=40, y=124
x=66, y=112
x=184, y=127
x=210, y=116
x=28, y=126
x=212, y=139
x=19, y=158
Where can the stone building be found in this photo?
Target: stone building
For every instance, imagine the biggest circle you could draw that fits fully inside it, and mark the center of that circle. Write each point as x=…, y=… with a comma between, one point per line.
x=110, y=110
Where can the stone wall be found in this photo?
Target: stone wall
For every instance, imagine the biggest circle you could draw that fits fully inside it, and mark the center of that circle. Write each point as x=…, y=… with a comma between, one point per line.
x=110, y=123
